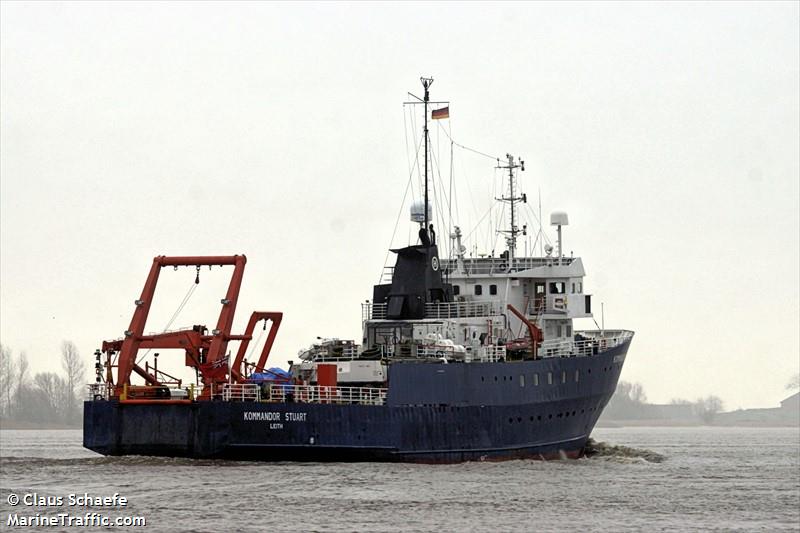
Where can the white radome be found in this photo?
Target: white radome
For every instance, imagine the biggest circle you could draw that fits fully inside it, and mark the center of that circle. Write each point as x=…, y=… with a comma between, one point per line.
x=559, y=218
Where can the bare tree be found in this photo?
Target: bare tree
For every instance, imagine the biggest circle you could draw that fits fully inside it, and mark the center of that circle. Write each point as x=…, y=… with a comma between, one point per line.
x=75, y=369
x=707, y=408
x=679, y=401
x=7, y=380
x=55, y=392
x=623, y=389
x=629, y=401
x=21, y=380
x=637, y=394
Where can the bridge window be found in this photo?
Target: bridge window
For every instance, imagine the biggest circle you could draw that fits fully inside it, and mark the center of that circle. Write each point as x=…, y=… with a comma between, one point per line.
x=563, y=376
x=549, y=378
x=573, y=288
x=536, y=380
x=580, y=286
x=577, y=375
x=492, y=289
x=557, y=287
x=456, y=290
x=521, y=380
x=478, y=290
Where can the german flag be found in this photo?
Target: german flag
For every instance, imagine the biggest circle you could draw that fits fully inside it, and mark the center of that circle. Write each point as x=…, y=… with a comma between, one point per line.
x=441, y=113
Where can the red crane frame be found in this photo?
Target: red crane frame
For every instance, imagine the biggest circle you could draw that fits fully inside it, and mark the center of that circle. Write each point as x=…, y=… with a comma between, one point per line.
x=202, y=350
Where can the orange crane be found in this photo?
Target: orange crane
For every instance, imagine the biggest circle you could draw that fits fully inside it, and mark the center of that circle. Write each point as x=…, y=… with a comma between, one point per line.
x=534, y=331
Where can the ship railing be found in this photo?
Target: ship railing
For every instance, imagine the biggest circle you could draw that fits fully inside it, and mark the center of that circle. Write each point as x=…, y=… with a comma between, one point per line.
x=588, y=343
x=387, y=274
x=327, y=358
x=488, y=354
x=327, y=394
x=439, y=351
x=343, y=352
x=241, y=392
x=99, y=391
x=373, y=311
x=552, y=348
x=540, y=307
x=107, y=391
x=469, y=309
x=499, y=265
x=607, y=338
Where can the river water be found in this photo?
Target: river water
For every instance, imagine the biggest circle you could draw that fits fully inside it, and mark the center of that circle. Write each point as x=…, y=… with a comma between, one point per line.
x=710, y=479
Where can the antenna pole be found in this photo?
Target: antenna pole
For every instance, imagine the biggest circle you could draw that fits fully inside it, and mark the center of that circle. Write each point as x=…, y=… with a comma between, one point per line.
x=426, y=83
x=513, y=231
x=541, y=225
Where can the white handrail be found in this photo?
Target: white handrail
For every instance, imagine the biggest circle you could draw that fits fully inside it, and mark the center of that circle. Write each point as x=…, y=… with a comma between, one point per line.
x=242, y=392
x=326, y=394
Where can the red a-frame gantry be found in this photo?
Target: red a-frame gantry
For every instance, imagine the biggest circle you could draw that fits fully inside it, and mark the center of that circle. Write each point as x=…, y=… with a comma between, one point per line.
x=202, y=351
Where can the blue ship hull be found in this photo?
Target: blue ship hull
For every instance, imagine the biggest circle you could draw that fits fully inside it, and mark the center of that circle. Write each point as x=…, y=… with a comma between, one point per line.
x=434, y=413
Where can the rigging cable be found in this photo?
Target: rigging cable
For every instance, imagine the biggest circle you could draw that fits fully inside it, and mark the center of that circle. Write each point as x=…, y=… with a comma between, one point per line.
x=439, y=204
x=450, y=202
x=493, y=158
x=253, y=345
x=497, y=230
x=469, y=190
x=411, y=164
x=478, y=224
x=177, y=312
x=399, y=214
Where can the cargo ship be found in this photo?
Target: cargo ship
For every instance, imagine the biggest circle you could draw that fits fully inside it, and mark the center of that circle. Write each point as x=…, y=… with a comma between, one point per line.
x=465, y=357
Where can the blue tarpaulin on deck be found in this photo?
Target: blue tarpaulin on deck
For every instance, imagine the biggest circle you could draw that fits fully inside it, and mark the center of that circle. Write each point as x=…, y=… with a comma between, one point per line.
x=272, y=374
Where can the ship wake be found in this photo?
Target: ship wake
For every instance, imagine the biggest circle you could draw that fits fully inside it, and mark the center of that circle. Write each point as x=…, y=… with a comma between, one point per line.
x=614, y=452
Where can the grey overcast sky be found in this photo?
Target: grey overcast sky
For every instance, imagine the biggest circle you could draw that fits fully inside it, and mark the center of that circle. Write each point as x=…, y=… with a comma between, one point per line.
x=667, y=131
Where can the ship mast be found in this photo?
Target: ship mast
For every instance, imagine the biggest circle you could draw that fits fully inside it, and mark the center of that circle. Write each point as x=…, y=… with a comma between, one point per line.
x=513, y=231
x=426, y=83
x=424, y=219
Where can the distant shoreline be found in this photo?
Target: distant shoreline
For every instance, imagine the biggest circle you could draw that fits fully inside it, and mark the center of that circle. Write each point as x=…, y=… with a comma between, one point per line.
x=33, y=426
x=607, y=424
